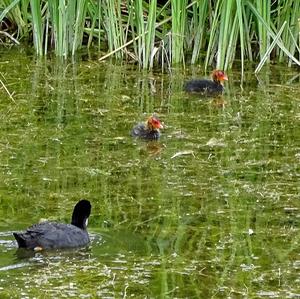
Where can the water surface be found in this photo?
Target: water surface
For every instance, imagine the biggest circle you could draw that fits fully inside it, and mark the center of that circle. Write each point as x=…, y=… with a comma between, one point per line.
x=209, y=211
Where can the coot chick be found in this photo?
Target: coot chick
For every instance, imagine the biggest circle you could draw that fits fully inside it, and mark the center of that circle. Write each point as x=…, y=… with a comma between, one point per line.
x=148, y=130
x=52, y=235
x=208, y=87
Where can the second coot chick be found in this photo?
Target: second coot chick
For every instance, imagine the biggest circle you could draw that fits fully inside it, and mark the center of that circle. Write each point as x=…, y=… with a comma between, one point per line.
x=52, y=235
x=148, y=130
x=208, y=87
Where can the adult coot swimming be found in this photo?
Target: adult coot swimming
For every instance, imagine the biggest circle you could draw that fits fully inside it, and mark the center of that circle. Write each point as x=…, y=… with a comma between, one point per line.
x=50, y=235
x=208, y=87
x=148, y=130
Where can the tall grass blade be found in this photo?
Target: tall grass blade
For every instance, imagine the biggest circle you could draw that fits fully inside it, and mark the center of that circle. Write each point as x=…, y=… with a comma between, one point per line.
x=178, y=29
x=198, y=31
x=239, y=13
x=231, y=44
x=150, y=37
x=7, y=9
x=226, y=27
x=139, y=22
x=263, y=9
x=79, y=25
x=37, y=26
x=271, y=47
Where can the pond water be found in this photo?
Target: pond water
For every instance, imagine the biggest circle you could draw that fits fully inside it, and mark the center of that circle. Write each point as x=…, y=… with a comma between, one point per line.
x=211, y=210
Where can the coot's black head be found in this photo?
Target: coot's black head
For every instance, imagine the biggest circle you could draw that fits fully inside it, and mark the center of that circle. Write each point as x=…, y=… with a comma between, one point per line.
x=81, y=213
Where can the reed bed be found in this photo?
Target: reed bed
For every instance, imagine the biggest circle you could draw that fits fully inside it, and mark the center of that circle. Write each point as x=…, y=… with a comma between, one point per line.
x=159, y=33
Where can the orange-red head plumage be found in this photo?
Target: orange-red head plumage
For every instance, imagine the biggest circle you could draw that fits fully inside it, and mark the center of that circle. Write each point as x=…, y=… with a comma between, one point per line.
x=154, y=122
x=219, y=76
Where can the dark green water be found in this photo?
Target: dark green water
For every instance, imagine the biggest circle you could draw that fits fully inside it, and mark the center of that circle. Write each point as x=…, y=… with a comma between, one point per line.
x=209, y=211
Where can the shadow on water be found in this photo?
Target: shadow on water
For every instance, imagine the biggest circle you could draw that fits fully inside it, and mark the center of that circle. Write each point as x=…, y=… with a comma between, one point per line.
x=210, y=210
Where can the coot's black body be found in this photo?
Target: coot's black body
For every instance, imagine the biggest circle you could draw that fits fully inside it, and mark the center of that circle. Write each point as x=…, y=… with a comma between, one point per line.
x=50, y=235
x=142, y=131
x=207, y=87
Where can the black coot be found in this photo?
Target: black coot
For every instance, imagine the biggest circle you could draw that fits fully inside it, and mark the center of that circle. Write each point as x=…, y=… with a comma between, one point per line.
x=208, y=87
x=50, y=235
x=148, y=130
